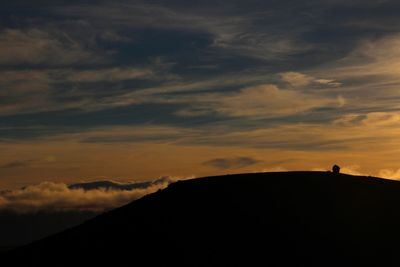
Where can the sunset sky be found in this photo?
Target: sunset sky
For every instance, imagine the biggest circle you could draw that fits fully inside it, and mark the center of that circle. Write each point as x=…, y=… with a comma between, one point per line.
x=136, y=90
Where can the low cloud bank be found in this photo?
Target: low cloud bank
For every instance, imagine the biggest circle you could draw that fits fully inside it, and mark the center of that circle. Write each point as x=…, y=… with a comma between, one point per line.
x=94, y=196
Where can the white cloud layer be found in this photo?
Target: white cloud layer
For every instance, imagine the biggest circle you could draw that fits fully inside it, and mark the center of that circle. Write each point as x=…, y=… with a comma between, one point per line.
x=49, y=196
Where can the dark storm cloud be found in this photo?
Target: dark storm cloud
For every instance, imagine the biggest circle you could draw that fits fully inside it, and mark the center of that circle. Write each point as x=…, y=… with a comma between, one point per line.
x=232, y=163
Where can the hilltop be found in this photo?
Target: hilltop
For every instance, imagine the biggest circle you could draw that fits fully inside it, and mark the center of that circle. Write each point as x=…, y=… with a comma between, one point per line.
x=262, y=219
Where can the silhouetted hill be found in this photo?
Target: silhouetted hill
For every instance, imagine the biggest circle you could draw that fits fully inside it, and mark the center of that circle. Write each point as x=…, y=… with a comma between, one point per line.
x=20, y=229
x=265, y=219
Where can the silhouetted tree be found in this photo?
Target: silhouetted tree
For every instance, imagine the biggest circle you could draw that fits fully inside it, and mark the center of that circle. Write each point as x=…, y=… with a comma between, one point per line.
x=336, y=169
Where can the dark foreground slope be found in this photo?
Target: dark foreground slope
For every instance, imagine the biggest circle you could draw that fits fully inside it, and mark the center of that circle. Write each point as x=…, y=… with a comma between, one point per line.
x=271, y=219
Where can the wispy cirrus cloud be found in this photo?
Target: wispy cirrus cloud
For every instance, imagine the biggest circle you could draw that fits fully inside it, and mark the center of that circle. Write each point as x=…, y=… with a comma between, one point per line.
x=232, y=163
x=109, y=74
x=230, y=32
x=260, y=101
x=297, y=79
x=263, y=101
x=17, y=164
x=33, y=91
x=256, y=75
x=35, y=46
x=370, y=57
x=270, y=101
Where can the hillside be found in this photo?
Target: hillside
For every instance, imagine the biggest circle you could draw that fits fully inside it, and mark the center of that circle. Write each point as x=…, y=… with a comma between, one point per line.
x=264, y=219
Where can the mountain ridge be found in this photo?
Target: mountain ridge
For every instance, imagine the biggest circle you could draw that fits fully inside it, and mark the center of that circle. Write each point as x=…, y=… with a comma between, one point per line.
x=275, y=219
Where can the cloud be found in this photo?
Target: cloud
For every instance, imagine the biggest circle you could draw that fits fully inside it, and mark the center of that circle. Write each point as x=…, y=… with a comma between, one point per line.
x=270, y=61
x=247, y=41
x=23, y=90
x=353, y=170
x=375, y=60
x=61, y=75
x=29, y=76
x=232, y=163
x=297, y=79
x=30, y=91
x=158, y=134
x=372, y=119
x=16, y=164
x=112, y=185
x=270, y=101
x=232, y=33
x=263, y=100
x=390, y=174
x=361, y=131
x=109, y=75
x=111, y=36
x=259, y=101
x=300, y=136
x=96, y=197
x=382, y=119
x=328, y=82
x=34, y=46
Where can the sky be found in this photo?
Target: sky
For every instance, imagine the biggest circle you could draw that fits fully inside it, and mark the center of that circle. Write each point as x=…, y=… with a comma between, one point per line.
x=136, y=90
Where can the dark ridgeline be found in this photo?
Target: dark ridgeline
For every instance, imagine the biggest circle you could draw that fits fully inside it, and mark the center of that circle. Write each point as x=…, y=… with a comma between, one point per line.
x=271, y=219
x=20, y=229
